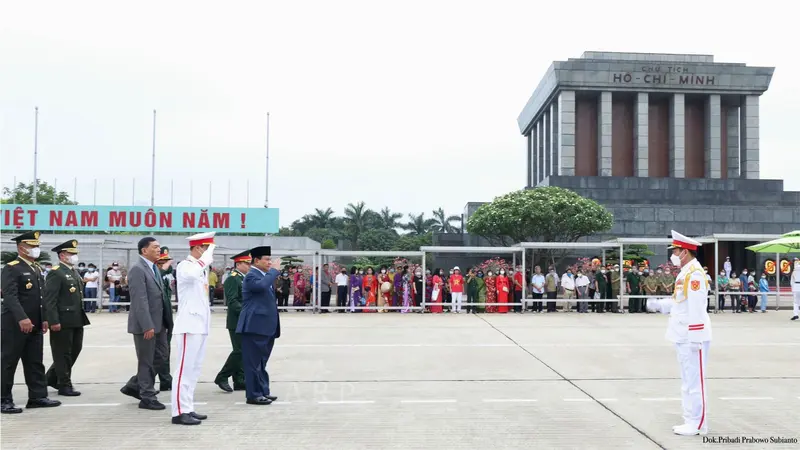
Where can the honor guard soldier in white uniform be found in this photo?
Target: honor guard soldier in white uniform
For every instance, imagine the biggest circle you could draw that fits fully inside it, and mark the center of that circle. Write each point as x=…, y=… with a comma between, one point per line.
x=795, y=280
x=690, y=330
x=192, y=325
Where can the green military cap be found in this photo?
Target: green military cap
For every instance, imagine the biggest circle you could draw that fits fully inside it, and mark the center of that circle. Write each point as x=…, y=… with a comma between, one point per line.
x=242, y=257
x=30, y=238
x=69, y=247
x=164, y=256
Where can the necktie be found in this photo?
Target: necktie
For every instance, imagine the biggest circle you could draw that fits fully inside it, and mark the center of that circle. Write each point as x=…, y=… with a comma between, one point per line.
x=158, y=275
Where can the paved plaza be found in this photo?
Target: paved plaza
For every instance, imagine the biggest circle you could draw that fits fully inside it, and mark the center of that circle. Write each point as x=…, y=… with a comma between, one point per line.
x=376, y=381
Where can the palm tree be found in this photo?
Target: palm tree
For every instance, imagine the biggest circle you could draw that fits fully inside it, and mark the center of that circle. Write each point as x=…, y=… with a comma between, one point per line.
x=418, y=225
x=389, y=219
x=357, y=218
x=321, y=219
x=443, y=223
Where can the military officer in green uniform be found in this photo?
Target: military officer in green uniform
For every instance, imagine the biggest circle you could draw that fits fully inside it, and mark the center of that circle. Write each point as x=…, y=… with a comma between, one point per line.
x=164, y=263
x=633, y=285
x=233, y=367
x=650, y=286
x=24, y=324
x=615, y=277
x=63, y=299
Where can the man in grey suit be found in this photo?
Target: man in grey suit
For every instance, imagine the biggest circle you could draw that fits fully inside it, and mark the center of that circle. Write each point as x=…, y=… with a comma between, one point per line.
x=149, y=324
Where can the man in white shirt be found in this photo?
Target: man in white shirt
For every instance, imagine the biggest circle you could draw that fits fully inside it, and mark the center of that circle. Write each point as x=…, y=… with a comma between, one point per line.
x=91, y=278
x=568, y=283
x=192, y=326
x=537, y=289
x=341, y=281
x=582, y=288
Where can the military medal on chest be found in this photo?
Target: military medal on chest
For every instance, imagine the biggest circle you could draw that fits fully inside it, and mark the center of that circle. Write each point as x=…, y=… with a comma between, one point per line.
x=29, y=285
x=72, y=290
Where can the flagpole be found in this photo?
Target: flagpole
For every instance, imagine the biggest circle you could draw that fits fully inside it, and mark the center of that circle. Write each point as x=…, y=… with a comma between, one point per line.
x=266, y=189
x=35, y=154
x=153, y=168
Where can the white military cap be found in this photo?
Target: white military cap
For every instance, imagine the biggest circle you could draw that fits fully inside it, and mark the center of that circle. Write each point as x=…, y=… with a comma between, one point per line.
x=681, y=241
x=206, y=238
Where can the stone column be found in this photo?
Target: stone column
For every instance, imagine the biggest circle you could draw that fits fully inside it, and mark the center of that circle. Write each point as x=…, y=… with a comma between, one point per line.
x=748, y=137
x=732, y=152
x=549, y=118
x=604, y=127
x=641, y=138
x=713, y=150
x=529, y=153
x=543, y=160
x=677, y=136
x=564, y=132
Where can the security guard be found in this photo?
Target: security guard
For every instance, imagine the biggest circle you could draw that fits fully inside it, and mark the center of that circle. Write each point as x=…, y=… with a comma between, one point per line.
x=233, y=298
x=167, y=275
x=23, y=326
x=63, y=300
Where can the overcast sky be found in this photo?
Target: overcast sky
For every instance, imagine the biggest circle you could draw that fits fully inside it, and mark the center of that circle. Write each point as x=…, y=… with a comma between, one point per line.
x=410, y=105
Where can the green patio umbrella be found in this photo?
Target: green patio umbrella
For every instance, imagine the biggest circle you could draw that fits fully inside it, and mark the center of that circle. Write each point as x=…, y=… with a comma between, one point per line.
x=787, y=243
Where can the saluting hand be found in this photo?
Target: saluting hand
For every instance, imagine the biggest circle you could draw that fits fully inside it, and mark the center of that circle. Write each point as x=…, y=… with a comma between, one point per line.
x=275, y=263
x=26, y=326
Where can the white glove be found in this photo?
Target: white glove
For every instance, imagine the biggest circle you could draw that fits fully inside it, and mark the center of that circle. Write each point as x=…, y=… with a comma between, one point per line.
x=208, y=255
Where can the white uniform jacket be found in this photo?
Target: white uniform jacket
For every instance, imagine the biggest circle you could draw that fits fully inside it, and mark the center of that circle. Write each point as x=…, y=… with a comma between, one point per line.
x=795, y=280
x=688, y=319
x=194, y=312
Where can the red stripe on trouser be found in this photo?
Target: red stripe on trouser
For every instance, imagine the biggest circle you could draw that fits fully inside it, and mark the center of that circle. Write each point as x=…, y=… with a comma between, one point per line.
x=180, y=374
x=702, y=390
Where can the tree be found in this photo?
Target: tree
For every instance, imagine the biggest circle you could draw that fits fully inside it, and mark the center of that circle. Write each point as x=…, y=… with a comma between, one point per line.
x=22, y=194
x=636, y=252
x=322, y=234
x=357, y=220
x=377, y=240
x=412, y=243
x=389, y=219
x=443, y=223
x=545, y=214
x=321, y=218
x=328, y=244
x=418, y=225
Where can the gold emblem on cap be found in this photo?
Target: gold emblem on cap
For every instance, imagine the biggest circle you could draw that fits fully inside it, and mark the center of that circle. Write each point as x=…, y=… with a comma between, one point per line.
x=36, y=235
x=29, y=285
x=72, y=290
x=74, y=243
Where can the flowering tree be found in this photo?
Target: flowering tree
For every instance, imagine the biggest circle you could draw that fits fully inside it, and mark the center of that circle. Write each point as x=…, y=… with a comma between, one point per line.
x=544, y=214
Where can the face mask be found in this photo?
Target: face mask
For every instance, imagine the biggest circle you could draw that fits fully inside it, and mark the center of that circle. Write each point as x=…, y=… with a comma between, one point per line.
x=744, y=273
x=451, y=272
x=427, y=272
x=114, y=267
x=489, y=274
x=502, y=272
x=722, y=274
x=603, y=271
x=419, y=274
x=73, y=259
x=34, y=252
x=361, y=272
x=91, y=269
x=675, y=260
x=383, y=271
x=285, y=274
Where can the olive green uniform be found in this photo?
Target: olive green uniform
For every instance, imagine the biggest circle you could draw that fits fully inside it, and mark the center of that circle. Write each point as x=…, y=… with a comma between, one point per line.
x=634, y=304
x=650, y=285
x=63, y=297
x=233, y=298
x=615, y=277
x=601, y=282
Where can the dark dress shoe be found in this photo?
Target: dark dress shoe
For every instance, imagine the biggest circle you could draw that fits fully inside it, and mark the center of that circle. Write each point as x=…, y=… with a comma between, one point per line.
x=9, y=408
x=225, y=386
x=239, y=387
x=198, y=416
x=165, y=387
x=42, y=403
x=68, y=392
x=185, y=419
x=154, y=405
x=271, y=398
x=259, y=401
x=131, y=392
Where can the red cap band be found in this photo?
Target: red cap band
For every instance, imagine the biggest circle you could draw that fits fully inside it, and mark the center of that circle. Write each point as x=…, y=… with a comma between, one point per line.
x=205, y=241
x=245, y=258
x=684, y=245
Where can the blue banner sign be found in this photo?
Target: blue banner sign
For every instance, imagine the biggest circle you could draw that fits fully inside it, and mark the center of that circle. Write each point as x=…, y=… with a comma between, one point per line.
x=140, y=219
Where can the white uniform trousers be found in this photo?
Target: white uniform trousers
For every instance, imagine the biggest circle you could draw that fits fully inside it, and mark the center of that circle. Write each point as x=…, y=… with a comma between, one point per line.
x=458, y=298
x=694, y=391
x=796, y=305
x=191, y=350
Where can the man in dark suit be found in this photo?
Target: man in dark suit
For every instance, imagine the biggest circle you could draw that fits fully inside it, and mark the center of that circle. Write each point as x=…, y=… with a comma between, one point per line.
x=23, y=326
x=167, y=275
x=259, y=324
x=63, y=299
x=233, y=298
x=149, y=323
